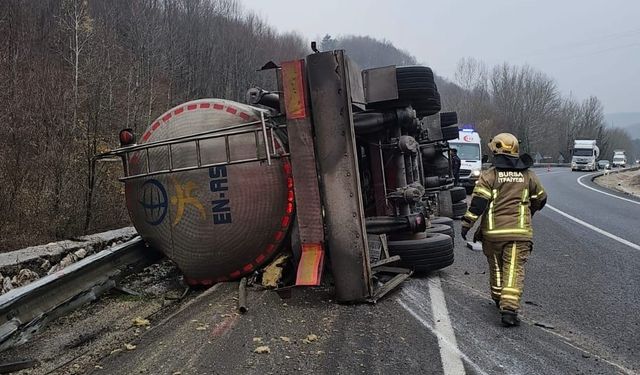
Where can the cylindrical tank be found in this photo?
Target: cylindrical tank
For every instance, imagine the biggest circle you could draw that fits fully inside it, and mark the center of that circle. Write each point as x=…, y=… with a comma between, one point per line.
x=216, y=223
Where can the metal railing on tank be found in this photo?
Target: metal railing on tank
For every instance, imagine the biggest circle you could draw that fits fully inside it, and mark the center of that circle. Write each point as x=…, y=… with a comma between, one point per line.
x=264, y=142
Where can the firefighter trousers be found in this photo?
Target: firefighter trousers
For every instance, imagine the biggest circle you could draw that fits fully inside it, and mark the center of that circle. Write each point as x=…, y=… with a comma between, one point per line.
x=506, y=268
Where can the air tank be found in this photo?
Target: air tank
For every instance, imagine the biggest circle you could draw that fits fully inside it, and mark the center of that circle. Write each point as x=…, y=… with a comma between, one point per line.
x=217, y=222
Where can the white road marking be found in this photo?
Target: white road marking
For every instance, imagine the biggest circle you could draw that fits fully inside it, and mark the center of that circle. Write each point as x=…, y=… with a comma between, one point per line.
x=450, y=354
x=600, y=191
x=596, y=229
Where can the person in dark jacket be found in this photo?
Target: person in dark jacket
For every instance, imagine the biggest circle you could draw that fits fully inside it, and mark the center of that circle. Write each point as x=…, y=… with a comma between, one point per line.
x=455, y=166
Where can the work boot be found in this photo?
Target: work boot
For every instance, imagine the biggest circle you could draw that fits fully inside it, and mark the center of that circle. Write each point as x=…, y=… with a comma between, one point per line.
x=510, y=318
x=497, y=302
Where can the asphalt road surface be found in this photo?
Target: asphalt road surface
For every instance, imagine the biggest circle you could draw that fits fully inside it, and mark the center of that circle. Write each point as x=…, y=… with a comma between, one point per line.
x=580, y=316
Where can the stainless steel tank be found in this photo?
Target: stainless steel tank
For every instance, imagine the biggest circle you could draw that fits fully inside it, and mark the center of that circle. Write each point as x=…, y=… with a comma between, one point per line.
x=220, y=222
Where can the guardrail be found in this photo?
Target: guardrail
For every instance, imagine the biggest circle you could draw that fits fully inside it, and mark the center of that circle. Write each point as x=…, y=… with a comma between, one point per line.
x=25, y=310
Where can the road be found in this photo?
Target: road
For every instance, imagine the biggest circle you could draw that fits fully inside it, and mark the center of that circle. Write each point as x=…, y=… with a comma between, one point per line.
x=580, y=314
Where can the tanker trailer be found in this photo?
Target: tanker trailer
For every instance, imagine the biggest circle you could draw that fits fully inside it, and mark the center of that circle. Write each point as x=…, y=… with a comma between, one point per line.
x=210, y=186
x=211, y=182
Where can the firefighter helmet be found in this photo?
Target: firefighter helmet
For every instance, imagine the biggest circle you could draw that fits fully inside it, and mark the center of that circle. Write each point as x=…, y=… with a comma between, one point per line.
x=505, y=144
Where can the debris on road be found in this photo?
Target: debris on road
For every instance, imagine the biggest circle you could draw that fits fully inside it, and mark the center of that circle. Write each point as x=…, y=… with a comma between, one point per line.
x=242, y=296
x=141, y=322
x=263, y=350
x=310, y=338
x=130, y=346
x=273, y=272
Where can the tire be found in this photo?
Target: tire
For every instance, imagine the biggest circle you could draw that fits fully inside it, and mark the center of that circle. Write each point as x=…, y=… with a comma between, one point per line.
x=459, y=208
x=417, y=71
x=450, y=132
x=458, y=193
x=416, y=87
x=439, y=166
x=428, y=108
x=431, y=253
x=429, y=152
x=432, y=246
x=441, y=228
x=448, y=118
x=442, y=220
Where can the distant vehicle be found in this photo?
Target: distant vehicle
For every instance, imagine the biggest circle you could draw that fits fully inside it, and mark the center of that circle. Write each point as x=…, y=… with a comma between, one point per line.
x=468, y=146
x=604, y=164
x=584, y=155
x=619, y=158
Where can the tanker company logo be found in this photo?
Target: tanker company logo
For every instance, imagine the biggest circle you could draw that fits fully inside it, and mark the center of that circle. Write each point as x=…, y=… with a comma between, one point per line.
x=152, y=196
x=468, y=138
x=183, y=199
x=219, y=185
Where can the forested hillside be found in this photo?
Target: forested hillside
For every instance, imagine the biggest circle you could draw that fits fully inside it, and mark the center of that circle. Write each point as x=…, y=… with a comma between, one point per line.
x=74, y=72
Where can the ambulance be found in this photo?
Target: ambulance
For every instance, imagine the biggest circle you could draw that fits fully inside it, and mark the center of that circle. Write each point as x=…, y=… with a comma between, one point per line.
x=469, y=152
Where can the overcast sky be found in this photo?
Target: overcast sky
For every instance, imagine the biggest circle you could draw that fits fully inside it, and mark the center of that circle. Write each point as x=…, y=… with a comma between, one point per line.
x=590, y=47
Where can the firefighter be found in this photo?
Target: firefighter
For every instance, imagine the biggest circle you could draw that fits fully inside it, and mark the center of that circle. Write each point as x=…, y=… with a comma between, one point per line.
x=505, y=196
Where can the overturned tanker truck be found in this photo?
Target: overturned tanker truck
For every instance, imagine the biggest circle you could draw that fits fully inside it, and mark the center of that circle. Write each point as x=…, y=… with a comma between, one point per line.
x=337, y=165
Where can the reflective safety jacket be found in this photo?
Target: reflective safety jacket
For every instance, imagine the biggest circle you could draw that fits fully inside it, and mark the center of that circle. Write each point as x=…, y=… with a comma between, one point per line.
x=506, y=199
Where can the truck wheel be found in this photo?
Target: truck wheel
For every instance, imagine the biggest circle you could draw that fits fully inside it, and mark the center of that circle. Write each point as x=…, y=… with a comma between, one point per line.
x=450, y=132
x=428, y=254
x=441, y=228
x=442, y=220
x=459, y=208
x=448, y=118
x=439, y=166
x=429, y=152
x=417, y=85
x=458, y=193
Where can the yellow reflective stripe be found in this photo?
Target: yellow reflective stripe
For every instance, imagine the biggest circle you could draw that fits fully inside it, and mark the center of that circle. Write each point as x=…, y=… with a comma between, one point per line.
x=497, y=269
x=495, y=195
x=511, y=290
x=537, y=195
x=509, y=231
x=471, y=216
x=482, y=191
x=525, y=194
x=512, y=266
x=496, y=288
x=514, y=298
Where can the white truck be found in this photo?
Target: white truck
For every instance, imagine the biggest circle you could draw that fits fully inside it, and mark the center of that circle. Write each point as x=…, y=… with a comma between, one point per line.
x=619, y=159
x=468, y=146
x=584, y=155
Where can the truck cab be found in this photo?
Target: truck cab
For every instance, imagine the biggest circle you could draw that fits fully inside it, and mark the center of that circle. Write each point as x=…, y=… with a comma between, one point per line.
x=584, y=155
x=619, y=159
x=469, y=152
